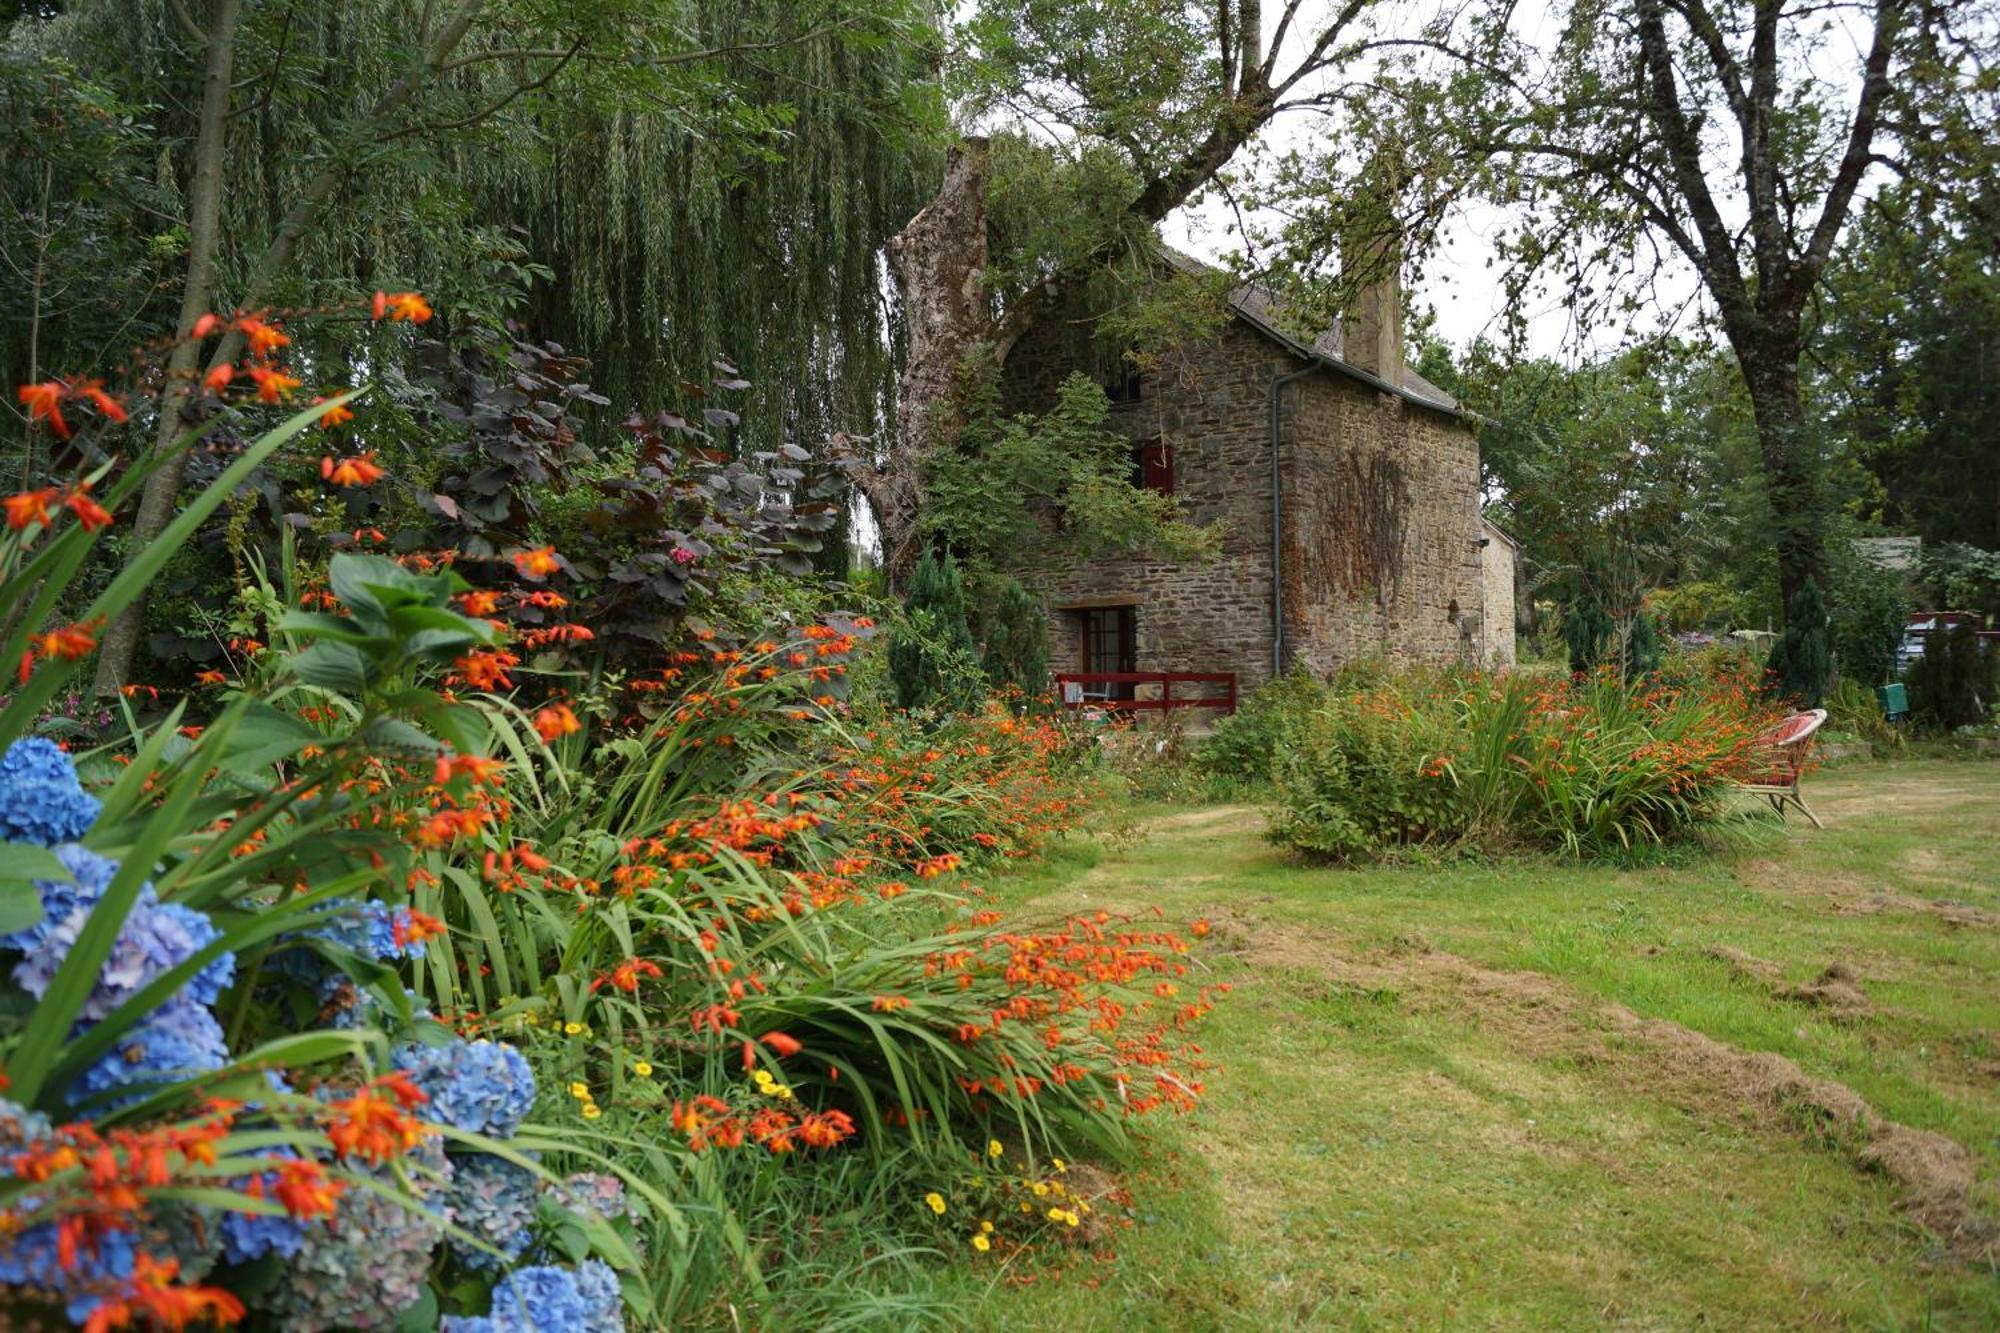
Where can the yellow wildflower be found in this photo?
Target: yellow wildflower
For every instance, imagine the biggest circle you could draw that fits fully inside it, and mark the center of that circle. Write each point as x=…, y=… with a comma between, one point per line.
x=1060, y=1164
x=1041, y=1190
x=986, y=1227
x=981, y=1244
x=993, y=1148
x=591, y=1111
x=935, y=1201
x=574, y=1029
x=642, y=1069
x=580, y=1091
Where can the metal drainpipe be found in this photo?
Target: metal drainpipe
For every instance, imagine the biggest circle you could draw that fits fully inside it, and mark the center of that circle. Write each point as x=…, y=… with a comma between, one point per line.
x=1278, y=525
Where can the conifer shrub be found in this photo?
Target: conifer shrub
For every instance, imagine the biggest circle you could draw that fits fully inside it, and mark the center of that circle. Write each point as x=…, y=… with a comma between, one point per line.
x=1801, y=664
x=932, y=661
x=1016, y=650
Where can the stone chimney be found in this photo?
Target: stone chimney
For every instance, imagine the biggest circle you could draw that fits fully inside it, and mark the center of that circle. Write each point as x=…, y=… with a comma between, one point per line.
x=1372, y=332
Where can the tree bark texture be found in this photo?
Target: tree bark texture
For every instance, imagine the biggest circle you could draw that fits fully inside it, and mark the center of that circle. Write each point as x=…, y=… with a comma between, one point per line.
x=938, y=263
x=120, y=642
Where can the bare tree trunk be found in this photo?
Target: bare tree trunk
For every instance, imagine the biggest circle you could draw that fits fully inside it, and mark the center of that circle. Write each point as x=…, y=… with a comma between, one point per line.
x=938, y=263
x=156, y=503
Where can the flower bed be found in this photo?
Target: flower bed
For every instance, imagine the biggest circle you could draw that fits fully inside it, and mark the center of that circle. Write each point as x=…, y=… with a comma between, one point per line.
x=389, y=983
x=1582, y=767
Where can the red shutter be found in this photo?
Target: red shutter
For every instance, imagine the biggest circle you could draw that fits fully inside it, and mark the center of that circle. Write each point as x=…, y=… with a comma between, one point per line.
x=1156, y=463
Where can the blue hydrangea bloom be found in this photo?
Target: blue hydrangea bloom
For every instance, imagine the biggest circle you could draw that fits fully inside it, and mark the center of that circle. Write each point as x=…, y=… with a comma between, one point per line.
x=366, y=929
x=178, y=1040
x=156, y=938
x=40, y=799
x=92, y=874
x=495, y=1200
x=485, y=1087
x=30, y=1258
x=535, y=1300
x=603, y=1301
x=364, y=1267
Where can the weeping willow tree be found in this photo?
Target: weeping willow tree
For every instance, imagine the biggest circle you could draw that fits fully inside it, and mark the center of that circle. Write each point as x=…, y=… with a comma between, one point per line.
x=661, y=184
x=729, y=207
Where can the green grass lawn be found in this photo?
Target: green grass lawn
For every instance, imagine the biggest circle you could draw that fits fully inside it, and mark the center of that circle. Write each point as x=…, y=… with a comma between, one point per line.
x=1439, y=1105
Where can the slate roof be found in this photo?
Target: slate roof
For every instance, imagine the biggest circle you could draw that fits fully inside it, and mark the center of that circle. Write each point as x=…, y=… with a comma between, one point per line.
x=1254, y=305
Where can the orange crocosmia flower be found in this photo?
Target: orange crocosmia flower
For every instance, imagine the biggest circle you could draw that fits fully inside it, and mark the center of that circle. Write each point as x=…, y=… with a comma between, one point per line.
x=337, y=415
x=414, y=927
x=358, y=471
x=538, y=563
x=888, y=1004
x=264, y=338
x=218, y=378
x=69, y=643
x=782, y=1044
x=151, y=1297
x=480, y=602
x=274, y=386
x=714, y=1018
x=487, y=669
x=400, y=1086
x=306, y=1191
x=626, y=975
x=44, y=403
x=30, y=507
x=204, y=326
x=88, y=512
x=555, y=722
x=824, y=1129
x=110, y=407
x=478, y=768
x=403, y=306
x=371, y=1126
x=211, y=677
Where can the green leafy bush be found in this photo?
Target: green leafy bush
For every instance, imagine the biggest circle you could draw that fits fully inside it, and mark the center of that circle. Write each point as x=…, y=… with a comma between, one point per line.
x=1016, y=633
x=1870, y=610
x=1952, y=685
x=1244, y=745
x=1802, y=661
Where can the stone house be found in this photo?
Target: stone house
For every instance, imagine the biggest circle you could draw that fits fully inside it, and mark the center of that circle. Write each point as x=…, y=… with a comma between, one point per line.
x=1347, y=490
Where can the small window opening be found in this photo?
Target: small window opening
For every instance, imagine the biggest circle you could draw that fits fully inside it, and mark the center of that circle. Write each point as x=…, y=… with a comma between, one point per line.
x=1153, y=465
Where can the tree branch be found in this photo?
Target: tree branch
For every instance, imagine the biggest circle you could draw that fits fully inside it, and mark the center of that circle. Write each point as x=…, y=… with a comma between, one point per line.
x=1860, y=146
x=513, y=94
x=1717, y=260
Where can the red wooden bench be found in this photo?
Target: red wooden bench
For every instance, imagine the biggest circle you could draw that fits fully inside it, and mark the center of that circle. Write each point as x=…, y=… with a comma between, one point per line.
x=1777, y=760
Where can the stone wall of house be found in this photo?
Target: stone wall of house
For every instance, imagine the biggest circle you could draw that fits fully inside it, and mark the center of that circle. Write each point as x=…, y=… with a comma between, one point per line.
x=1380, y=552
x=1381, y=542
x=1209, y=405
x=1497, y=573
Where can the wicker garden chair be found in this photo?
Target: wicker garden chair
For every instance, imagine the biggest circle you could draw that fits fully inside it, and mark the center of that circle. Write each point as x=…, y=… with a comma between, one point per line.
x=1777, y=760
